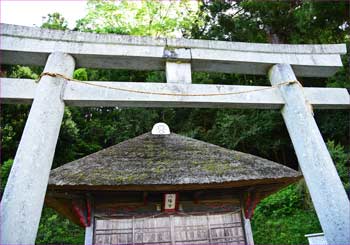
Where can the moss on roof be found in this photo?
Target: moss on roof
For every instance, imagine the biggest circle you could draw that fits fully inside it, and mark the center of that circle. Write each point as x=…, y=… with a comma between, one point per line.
x=166, y=160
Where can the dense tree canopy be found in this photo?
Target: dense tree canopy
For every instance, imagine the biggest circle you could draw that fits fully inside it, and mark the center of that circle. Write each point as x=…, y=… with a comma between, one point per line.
x=286, y=216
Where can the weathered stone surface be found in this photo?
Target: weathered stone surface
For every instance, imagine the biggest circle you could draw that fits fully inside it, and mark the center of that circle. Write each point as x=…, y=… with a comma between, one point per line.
x=178, y=72
x=24, y=194
x=77, y=94
x=326, y=189
x=29, y=45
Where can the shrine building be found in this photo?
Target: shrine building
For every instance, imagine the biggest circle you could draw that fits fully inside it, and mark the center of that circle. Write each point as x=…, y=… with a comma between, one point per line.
x=164, y=188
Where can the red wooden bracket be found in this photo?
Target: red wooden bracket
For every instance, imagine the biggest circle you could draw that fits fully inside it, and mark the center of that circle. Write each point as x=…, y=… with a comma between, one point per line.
x=196, y=197
x=88, y=213
x=252, y=200
x=82, y=208
x=145, y=198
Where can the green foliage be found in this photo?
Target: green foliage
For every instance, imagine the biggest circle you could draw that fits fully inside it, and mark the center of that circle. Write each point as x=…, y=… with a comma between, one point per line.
x=289, y=229
x=54, y=229
x=55, y=21
x=13, y=117
x=22, y=72
x=283, y=203
x=80, y=74
x=274, y=21
x=341, y=159
x=143, y=18
x=227, y=20
x=288, y=214
x=283, y=217
x=5, y=171
x=242, y=129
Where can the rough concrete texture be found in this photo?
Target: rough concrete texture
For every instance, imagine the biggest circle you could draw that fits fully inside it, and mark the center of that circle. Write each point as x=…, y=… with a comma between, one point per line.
x=326, y=189
x=77, y=94
x=178, y=72
x=29, y=45
x=24, y=194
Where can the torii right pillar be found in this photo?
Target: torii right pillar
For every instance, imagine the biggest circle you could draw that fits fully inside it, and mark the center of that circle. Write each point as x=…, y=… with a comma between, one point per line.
x=325, y=187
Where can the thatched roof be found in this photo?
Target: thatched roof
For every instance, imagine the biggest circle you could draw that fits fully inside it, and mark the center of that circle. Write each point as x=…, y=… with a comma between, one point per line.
x=168, y=162
x=160, y=162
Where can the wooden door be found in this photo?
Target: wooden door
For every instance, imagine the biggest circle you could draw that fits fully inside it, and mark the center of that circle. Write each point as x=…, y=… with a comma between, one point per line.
x=172, y=229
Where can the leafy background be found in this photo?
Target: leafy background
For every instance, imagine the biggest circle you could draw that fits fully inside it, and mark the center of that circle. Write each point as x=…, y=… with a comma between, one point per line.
x=282, y=218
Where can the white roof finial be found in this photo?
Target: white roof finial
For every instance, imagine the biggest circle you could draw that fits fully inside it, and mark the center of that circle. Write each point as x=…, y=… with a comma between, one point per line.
x=160, y=129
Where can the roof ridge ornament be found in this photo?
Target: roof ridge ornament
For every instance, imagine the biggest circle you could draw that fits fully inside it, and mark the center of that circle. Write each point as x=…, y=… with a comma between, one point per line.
x=160, y=129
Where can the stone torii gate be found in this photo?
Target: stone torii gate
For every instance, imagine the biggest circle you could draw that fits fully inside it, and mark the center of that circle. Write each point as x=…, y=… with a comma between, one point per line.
x=60, y=52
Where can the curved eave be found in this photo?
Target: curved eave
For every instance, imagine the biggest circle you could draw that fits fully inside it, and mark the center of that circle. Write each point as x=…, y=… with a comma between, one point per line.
x=264, y=188
x=278, y=183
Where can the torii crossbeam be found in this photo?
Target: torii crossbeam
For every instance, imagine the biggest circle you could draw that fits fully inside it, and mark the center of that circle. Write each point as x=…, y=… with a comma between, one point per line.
x=60, y=52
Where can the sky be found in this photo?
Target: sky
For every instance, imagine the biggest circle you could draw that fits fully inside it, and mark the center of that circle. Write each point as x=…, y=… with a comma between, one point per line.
x=31, y=13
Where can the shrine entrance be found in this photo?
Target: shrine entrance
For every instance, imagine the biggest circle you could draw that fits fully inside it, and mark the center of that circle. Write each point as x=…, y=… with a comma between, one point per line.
x=205, y=228
x=164, y=188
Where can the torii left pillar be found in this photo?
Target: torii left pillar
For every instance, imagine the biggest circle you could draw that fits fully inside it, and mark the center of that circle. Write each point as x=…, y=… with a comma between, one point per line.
x=24, y=195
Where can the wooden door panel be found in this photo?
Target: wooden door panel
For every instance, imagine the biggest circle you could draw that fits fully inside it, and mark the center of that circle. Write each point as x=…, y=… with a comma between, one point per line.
x=172, y=229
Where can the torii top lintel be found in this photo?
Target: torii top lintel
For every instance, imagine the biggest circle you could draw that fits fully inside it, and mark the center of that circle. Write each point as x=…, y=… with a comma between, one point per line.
x=31, y=46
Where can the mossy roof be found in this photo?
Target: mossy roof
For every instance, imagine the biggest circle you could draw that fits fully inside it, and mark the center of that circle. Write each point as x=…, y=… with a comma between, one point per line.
x=166, y=160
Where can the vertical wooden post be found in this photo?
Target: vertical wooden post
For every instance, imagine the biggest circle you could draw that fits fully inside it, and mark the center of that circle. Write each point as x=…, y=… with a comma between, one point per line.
x=247, y=228
x=172, y=229
x=89, y=231
x=209, y=229
x=248, y=231
x=24, y=195
x=133, y=230
x=326, y=189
